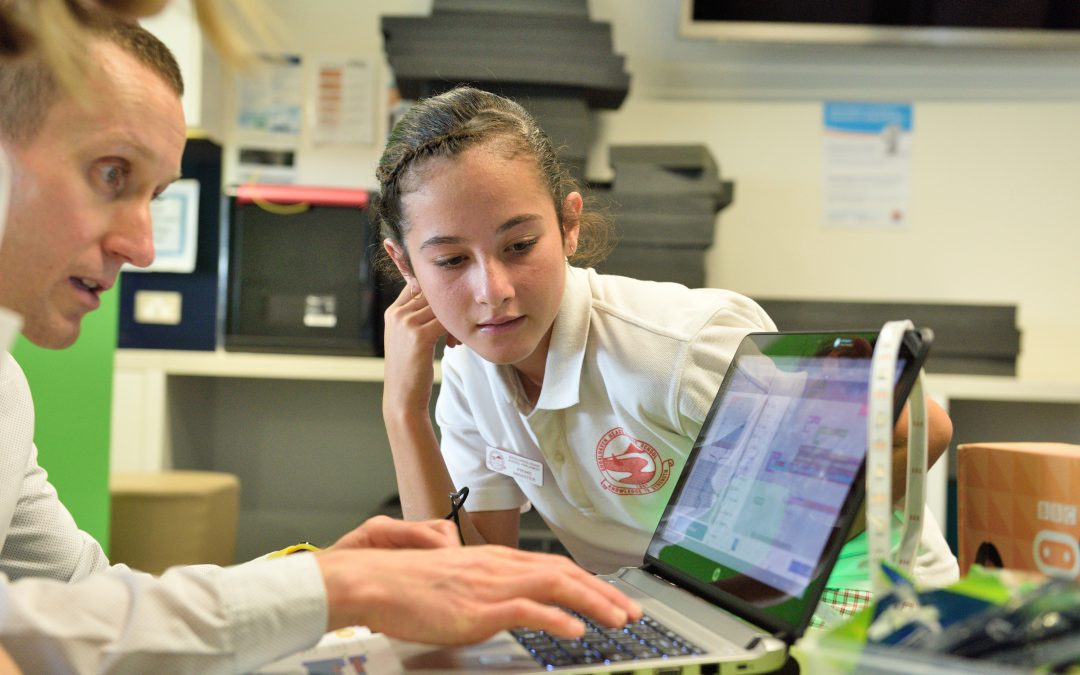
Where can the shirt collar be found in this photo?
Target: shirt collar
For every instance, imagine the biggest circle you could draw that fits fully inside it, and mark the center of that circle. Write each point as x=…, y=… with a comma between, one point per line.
x=566, y=353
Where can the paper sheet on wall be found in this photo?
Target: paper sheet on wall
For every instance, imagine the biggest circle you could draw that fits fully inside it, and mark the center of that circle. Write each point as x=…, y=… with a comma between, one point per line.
x=867, y=164
x=269, y=115
x=174, y=216
x=344, y=103
x=270, y=101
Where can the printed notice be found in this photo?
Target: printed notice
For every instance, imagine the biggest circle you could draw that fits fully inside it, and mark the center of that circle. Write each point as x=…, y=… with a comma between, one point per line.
x=175, y=219
x=345, y=103
x=270, y=100
x=867, y=164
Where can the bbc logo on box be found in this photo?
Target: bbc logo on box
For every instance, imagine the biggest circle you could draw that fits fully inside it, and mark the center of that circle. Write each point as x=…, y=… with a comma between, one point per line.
x=1017, y=507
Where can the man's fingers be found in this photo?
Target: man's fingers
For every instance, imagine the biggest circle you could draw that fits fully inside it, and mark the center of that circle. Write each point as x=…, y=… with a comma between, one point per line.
x=384, y=532
x=457, y=596
x=530, y=614
x=555, y=580
x=601, y=595
x=429, y=534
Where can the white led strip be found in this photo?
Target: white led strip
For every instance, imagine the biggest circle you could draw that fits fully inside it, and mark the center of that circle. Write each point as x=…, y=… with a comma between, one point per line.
x=879, y=502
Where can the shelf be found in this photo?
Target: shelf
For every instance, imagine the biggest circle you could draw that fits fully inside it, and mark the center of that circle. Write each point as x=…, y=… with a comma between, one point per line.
x=997, y=388
x=221, y=363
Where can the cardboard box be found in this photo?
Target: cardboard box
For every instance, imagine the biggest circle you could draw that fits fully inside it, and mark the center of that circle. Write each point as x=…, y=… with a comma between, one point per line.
x=173, y=518
x=1018, y=503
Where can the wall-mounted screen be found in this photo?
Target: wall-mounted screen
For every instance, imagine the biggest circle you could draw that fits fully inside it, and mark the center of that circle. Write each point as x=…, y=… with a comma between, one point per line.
x=1006, y=23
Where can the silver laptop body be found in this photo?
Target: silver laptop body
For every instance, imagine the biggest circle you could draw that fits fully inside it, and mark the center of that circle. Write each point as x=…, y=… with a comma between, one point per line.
x=754, y=526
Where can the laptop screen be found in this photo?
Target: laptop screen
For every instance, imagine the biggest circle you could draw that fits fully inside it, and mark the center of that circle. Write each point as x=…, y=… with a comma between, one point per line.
x=775, y=476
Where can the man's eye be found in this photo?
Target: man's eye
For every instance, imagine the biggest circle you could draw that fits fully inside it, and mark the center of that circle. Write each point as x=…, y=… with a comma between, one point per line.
x=110, y=177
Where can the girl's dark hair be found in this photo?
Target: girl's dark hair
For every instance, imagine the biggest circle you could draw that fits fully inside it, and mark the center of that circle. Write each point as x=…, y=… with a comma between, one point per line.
x=466, y=117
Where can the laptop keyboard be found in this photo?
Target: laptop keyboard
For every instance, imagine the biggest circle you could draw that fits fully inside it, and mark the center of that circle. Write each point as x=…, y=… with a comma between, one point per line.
x=643, y=639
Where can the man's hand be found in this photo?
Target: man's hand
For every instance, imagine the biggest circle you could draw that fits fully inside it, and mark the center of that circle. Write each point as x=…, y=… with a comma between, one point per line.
x=466, y=594
x=385, y=532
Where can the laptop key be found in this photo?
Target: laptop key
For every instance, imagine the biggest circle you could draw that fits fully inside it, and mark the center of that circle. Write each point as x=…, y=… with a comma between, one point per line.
x=644, y=639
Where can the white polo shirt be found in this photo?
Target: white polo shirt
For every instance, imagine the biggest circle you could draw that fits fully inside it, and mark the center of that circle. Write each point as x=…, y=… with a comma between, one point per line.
x=632, y=369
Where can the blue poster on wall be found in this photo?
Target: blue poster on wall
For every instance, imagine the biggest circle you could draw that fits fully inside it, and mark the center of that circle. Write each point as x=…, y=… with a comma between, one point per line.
x=866, y=164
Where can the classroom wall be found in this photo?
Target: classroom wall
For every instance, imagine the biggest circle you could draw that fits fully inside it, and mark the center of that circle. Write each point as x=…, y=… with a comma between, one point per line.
x=996, y=157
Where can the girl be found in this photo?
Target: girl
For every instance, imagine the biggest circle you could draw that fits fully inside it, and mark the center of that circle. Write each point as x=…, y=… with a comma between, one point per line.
x=574, y=392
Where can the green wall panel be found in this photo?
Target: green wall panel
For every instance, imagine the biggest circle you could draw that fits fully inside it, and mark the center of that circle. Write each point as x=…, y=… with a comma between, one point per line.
x=72, y=391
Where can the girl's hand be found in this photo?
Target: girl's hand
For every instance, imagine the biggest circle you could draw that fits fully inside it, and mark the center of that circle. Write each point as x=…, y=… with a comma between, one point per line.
x=410, y=336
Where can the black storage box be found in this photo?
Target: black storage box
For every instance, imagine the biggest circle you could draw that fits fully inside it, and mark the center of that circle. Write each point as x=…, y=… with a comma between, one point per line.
x=300, y=272
x=197, y=327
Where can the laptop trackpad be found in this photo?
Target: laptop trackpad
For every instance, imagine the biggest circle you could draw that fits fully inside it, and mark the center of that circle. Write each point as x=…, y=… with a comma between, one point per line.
x=657, y=594
x=500, y=654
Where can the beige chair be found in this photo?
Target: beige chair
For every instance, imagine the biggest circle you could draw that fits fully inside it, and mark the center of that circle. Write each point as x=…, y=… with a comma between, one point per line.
x=173, y=518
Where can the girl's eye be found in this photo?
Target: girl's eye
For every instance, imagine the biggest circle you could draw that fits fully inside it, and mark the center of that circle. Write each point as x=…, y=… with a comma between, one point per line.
x=522, y=246
x=451, y=262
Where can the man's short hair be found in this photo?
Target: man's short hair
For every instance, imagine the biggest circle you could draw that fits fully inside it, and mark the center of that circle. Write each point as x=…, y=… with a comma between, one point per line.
x=28, y=87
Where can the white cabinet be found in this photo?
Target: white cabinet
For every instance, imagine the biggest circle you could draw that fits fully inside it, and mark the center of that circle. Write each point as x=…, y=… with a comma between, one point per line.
x=306, y=437
x=178, y=28
x=303, y=433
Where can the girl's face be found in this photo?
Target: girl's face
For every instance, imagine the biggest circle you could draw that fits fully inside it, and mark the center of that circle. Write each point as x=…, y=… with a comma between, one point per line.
x=485, y=248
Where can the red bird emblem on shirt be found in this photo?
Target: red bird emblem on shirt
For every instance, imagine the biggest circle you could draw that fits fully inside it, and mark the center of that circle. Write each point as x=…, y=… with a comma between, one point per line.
x=630, y=466
x=631, y=463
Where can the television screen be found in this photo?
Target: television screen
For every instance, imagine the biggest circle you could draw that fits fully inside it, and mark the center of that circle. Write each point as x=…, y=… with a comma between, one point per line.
x=944, y=22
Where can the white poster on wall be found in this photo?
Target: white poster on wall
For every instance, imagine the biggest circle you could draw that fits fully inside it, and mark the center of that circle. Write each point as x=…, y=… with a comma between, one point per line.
x=175, y=219
x=344, y=103
x=270, y=100
x=867, y=164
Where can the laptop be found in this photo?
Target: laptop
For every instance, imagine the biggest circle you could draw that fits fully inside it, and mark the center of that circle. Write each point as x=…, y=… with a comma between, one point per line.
x=752, y=530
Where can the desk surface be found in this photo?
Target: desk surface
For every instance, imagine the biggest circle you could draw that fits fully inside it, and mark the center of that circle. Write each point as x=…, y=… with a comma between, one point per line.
x=223, y=363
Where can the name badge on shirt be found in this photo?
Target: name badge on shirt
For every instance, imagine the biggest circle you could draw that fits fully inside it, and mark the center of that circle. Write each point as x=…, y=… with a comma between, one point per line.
x=515, y=466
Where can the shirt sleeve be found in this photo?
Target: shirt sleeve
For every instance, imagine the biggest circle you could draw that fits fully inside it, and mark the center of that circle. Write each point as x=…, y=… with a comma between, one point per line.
x=38, y=535
x=464, y=449
x=192, y=619
x=43, y=539
x=710, y=352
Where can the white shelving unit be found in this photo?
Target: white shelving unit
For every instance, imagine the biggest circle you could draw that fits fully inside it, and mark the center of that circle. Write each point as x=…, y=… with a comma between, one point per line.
x=222, y=363
x=305, y=432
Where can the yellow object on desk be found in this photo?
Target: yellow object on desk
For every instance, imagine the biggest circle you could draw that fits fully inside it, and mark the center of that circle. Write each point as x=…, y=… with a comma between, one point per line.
x=289, y=550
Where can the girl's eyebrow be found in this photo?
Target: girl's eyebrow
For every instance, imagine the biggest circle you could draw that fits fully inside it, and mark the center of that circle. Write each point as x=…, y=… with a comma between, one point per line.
x=443, y=240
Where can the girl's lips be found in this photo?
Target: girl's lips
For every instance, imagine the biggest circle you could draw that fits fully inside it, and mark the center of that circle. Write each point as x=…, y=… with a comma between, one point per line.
x=501, y=325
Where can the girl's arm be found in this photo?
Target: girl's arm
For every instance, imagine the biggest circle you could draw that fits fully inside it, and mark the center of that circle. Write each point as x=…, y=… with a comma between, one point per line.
x=423, y=481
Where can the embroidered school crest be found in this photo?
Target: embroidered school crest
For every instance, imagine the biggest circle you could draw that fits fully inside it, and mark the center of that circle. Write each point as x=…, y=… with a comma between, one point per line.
x=630, y=466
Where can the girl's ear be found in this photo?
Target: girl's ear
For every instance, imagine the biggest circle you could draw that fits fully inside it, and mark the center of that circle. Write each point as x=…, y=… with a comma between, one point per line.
x=571, y=222
x=397, y=254
x=401, y=261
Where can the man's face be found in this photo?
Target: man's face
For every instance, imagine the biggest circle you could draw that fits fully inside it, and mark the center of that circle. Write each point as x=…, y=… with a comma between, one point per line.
x=80, y=199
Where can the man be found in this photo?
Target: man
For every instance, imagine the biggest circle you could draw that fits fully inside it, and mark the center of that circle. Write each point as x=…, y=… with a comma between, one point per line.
x=84, y=169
